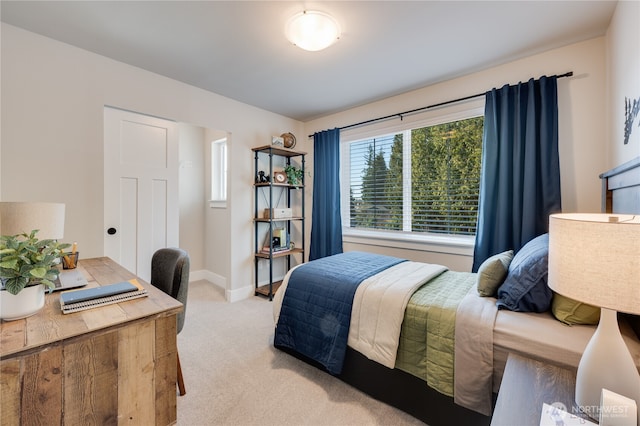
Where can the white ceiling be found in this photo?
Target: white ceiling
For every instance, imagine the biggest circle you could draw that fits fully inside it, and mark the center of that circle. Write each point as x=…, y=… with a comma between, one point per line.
x=238, y=49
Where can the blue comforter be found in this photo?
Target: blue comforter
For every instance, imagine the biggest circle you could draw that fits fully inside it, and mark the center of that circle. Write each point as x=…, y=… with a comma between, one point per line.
x=316, y=308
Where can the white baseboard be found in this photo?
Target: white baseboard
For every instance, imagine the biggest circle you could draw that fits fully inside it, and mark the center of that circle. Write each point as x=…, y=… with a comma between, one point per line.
x=220, y=281
x=239, y=294
x=198, y=275
x=212, y=277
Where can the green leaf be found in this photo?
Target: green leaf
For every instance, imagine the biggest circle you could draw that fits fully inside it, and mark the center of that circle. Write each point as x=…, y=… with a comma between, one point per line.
x=14, y=285
x=39, y=272
x=52, y=274
x=49, y=284
x=9, y=264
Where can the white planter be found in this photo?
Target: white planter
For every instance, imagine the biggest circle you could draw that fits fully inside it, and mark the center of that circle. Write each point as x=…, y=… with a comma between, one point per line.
x=24, y=304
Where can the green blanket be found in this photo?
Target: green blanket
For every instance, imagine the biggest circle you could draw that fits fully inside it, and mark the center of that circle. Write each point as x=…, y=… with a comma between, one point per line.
x=426, y=347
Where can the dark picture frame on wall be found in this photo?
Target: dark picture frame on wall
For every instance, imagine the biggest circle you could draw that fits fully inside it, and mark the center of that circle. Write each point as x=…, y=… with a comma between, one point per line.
x=631, y=109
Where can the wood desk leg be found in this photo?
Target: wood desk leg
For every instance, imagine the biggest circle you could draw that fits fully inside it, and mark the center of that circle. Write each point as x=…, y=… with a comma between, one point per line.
x=180, y=378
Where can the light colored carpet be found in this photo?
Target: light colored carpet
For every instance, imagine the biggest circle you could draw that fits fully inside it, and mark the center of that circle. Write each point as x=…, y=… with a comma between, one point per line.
x=234, y=376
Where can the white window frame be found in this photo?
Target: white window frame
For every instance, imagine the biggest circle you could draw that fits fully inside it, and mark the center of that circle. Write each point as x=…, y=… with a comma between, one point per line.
x=449, y=244
x=219, y=161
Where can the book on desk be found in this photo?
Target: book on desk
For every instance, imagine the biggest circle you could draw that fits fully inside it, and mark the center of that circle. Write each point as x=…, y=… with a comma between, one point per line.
x=80, y=300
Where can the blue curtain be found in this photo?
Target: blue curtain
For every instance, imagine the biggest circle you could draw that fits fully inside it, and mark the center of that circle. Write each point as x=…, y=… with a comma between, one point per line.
x=326, y=223
x=520, y=178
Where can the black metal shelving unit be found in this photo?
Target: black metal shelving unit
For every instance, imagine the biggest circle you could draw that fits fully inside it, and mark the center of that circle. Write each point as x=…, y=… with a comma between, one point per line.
x=260, y=222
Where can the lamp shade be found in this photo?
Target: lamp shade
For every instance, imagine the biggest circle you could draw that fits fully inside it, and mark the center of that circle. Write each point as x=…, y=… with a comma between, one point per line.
x=24, y=217
x=595, y=259
x=312, y=30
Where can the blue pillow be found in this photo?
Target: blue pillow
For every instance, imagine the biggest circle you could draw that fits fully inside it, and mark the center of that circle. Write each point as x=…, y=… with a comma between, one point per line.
x=525, y=289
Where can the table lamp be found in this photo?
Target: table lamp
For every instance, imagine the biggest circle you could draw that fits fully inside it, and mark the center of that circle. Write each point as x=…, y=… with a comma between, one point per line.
x=595, y=259
x=24, y=217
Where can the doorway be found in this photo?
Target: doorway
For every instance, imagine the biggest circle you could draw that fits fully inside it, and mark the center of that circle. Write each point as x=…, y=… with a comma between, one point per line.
x=141, y=204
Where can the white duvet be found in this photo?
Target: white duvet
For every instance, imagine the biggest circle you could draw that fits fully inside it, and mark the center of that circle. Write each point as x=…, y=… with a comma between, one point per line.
x=378, y=309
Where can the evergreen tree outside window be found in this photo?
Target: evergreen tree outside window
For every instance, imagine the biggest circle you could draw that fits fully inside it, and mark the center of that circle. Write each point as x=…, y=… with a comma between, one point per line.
x=424, y=180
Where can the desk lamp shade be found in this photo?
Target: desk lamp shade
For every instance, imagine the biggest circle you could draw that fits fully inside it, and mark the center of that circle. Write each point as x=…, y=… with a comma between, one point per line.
x=595, y=259
x=24, y=217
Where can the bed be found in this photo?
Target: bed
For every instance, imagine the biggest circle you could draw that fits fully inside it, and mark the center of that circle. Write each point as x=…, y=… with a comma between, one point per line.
x=415, y=375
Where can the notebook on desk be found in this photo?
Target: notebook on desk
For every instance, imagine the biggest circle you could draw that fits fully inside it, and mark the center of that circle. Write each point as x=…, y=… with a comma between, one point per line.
x=80, y=300
x=69, y=278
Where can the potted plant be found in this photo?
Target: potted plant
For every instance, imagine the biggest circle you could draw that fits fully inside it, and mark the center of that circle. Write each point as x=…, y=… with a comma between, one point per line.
x=27, y=266
x=294, y=175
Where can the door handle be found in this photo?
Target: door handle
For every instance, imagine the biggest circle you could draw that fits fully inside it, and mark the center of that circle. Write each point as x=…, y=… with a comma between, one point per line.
x=111, y=231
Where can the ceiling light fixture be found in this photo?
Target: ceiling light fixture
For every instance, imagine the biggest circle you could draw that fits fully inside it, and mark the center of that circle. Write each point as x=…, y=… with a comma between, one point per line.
x=312, y=30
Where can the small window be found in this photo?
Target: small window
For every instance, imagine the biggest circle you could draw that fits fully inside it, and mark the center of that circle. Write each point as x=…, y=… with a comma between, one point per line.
x=219, y=173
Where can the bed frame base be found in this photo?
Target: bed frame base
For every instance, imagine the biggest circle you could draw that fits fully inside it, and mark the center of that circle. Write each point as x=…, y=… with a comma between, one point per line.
x=406, y=392
x=401, y=390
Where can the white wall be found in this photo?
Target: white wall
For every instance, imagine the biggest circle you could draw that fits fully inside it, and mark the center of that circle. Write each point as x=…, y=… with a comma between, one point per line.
x=623, y=73
x=217, y=254
x=192, y=192
x=52, y=99
x=582, y=128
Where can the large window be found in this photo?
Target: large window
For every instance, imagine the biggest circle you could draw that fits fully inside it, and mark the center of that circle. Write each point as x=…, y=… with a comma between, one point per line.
x=421, y=180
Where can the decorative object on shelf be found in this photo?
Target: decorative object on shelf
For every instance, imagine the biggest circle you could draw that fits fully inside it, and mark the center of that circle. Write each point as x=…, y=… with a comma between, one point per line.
x=277, y=213
x=262, y=178
x=279, y=241
x=279, y=177
x=28, y=263
x=593, y=258
x=294, y=175
x=630, y=113
x=275, y=243
x=277, y=141
x=289, y=140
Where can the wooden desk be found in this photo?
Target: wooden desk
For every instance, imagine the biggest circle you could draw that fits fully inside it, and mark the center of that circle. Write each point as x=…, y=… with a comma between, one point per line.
x=113, y=365
x=526, y=385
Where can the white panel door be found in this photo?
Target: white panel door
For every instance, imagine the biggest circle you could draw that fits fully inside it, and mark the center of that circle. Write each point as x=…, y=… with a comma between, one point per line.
x=140, y=188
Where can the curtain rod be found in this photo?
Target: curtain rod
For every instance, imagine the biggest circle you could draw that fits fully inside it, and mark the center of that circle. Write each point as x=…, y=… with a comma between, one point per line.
x=411, y=111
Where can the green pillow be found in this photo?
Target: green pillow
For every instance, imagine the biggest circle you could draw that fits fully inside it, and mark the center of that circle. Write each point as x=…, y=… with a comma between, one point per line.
x=492, y=272
x=571, y=311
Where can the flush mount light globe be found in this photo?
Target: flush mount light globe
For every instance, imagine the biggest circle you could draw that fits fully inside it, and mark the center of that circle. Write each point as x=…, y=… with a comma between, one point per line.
x=312, y=30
